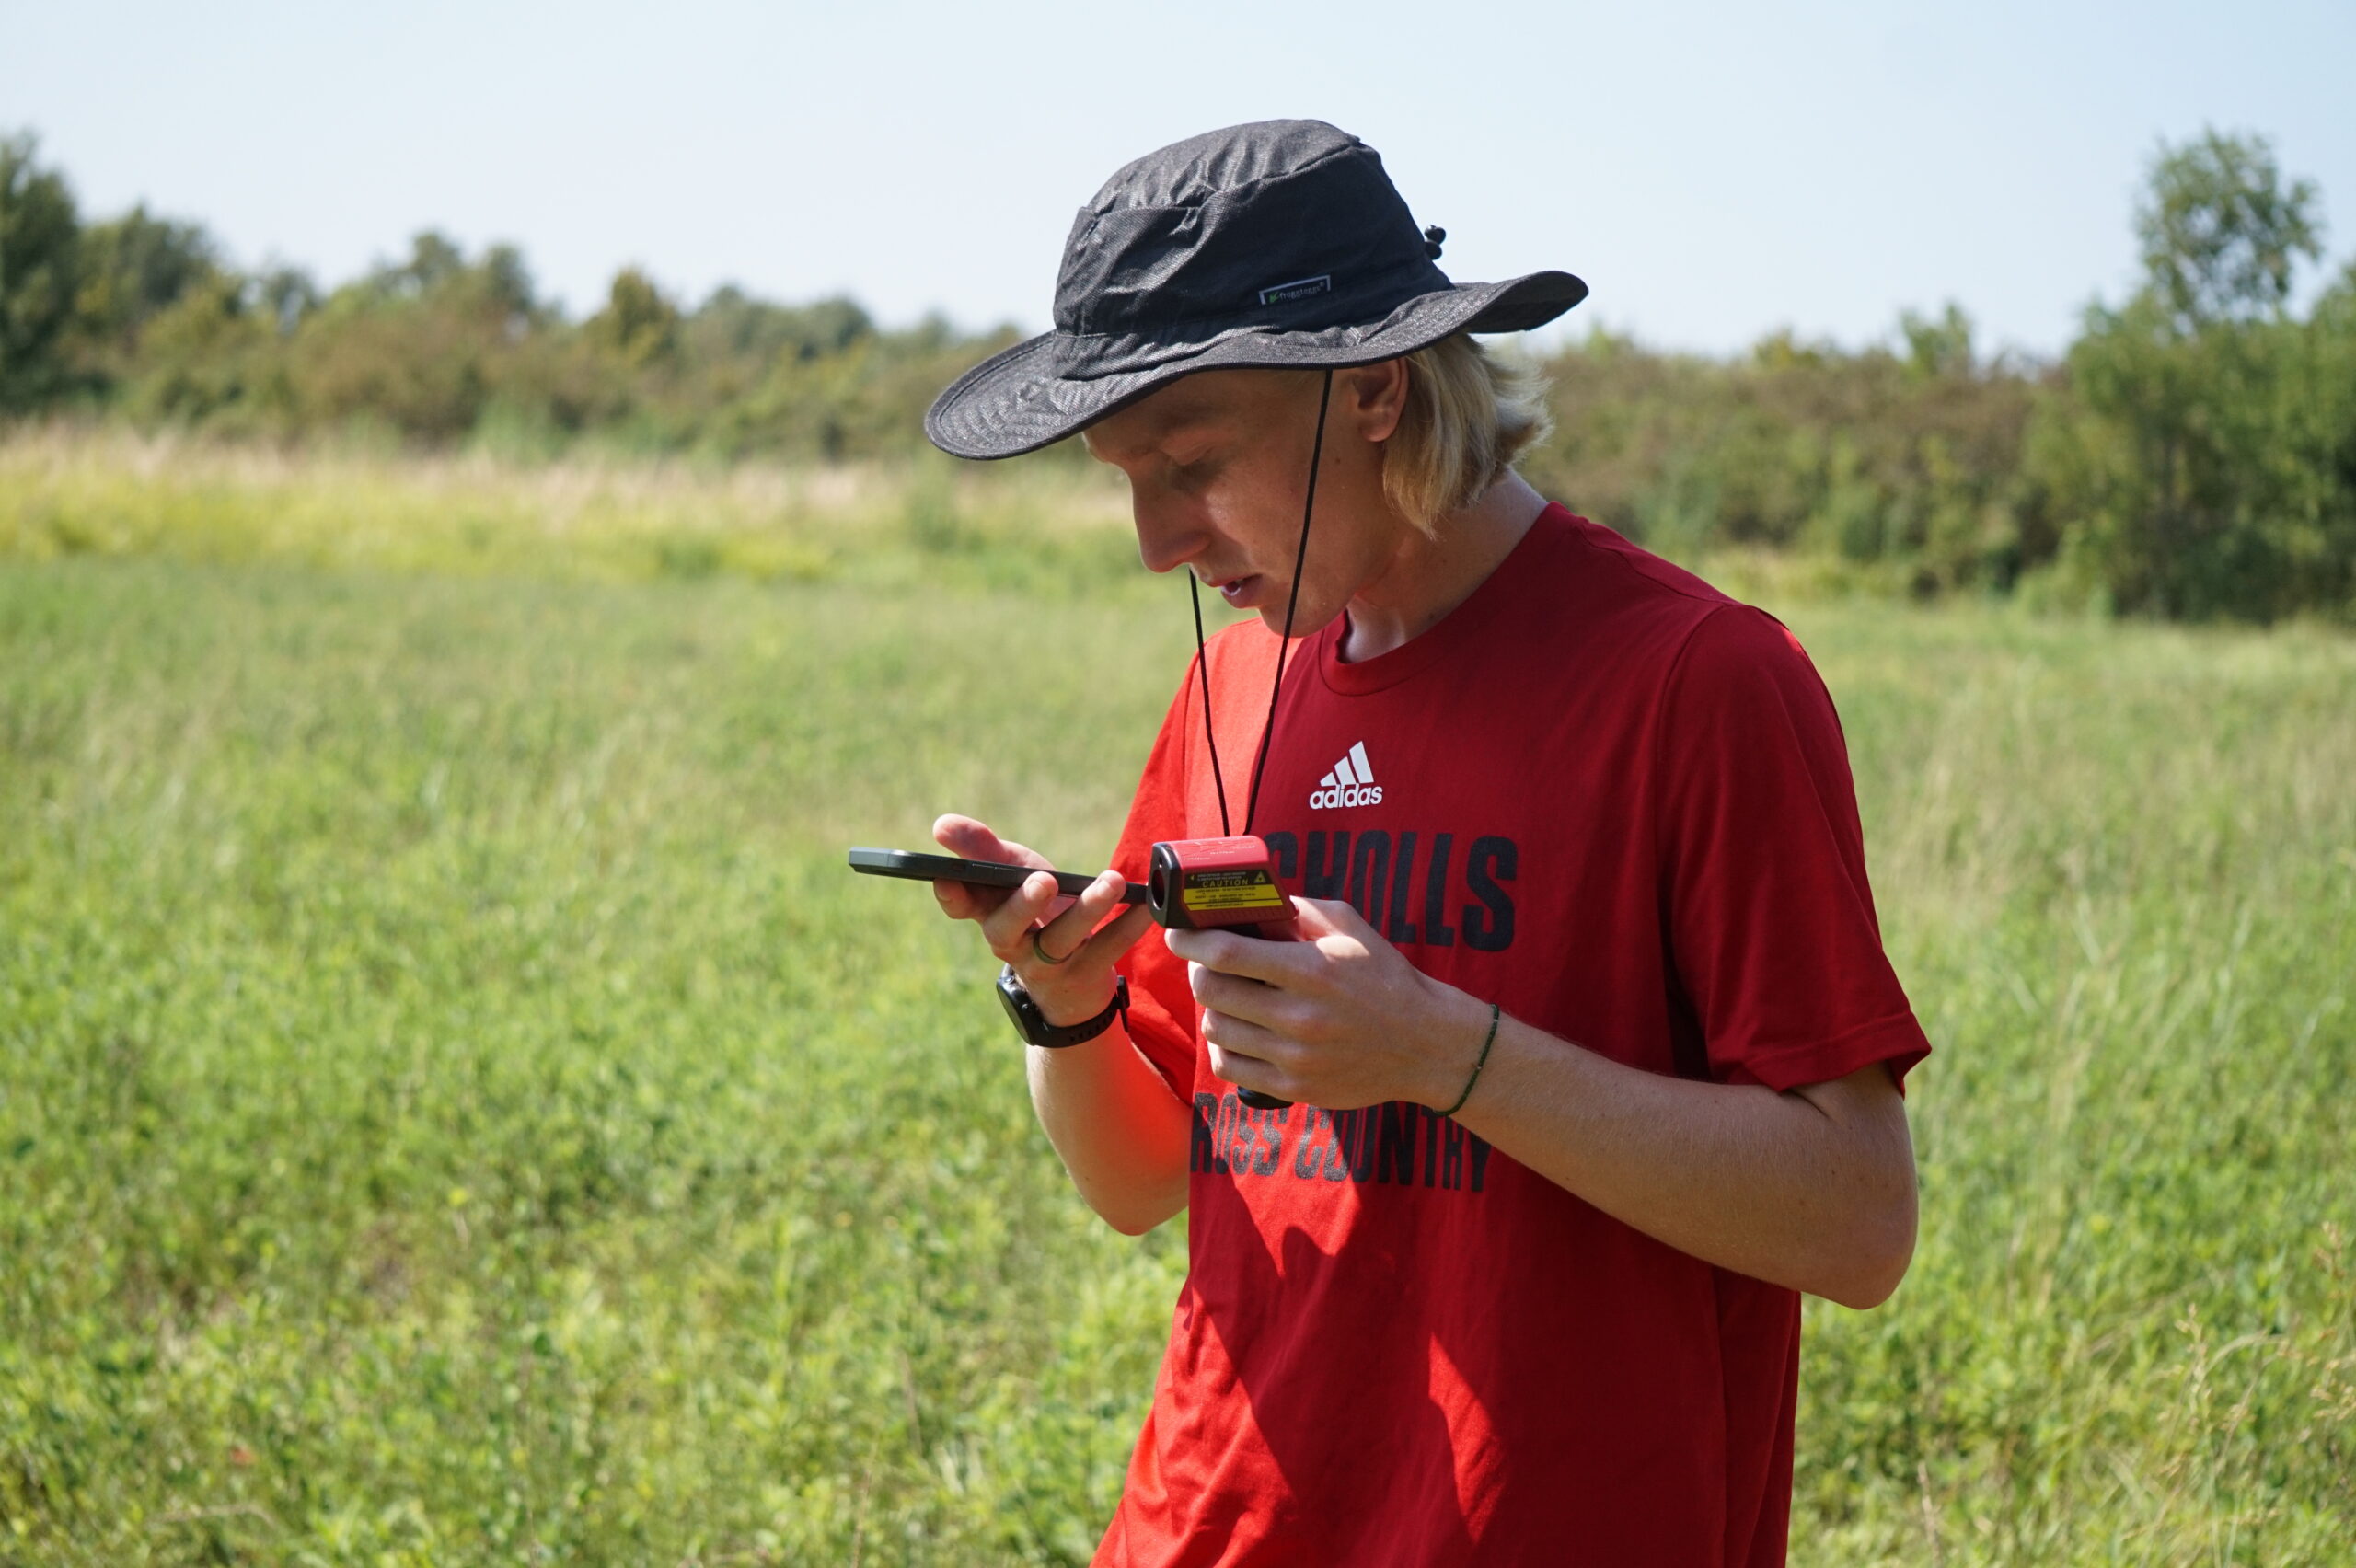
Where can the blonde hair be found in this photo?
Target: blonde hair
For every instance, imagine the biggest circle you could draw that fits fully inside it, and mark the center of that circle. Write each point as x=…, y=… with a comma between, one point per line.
x=1467, y=417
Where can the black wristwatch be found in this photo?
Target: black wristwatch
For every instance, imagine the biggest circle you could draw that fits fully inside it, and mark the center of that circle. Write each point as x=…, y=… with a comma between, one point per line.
x=1032, y=1025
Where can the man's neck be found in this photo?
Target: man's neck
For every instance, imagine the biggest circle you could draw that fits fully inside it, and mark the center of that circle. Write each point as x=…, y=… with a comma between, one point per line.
x=1433, y=573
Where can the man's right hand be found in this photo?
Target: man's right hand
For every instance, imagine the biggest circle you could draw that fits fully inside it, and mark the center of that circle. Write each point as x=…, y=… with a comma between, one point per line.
x=1121, y=1132
x=1071, y=931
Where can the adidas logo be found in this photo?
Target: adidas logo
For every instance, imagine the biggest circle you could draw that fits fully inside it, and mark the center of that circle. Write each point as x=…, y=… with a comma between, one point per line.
x=1350, y=784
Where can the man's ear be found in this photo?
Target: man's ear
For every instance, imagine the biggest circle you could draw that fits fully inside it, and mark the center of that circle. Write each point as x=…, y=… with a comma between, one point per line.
x=1373, y=397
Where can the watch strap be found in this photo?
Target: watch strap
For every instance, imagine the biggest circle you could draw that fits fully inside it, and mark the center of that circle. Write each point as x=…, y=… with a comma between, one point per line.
x=1033, y=1025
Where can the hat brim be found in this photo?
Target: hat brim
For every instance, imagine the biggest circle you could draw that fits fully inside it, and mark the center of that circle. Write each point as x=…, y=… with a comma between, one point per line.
x=1017, y=401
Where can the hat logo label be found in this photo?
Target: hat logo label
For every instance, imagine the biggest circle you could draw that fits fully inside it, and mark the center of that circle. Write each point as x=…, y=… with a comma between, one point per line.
x=1300, y=288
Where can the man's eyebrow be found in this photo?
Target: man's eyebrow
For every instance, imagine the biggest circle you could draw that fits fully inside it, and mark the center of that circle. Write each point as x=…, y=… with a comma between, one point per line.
x=1158, y=433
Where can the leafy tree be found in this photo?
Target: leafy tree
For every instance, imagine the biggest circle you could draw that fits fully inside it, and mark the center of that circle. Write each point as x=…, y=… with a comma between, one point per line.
x=133, y=267
x=731, y=325
x=2200, y=466
x=2222, y=233
x=421, y=346
x=215, y=355
x=433, y=260
x=287, y=294
x=638, y=325
x=40, y=257
x=1904, y=467
x=1940, y=346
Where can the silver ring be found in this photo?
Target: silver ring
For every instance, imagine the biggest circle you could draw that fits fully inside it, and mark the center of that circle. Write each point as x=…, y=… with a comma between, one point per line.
x=1041, y=953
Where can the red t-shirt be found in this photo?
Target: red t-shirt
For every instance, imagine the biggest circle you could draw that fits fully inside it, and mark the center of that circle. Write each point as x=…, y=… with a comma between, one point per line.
x=1612, y=799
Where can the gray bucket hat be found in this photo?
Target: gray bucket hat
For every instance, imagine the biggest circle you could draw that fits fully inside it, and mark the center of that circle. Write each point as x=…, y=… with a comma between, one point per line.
x=1276, y=245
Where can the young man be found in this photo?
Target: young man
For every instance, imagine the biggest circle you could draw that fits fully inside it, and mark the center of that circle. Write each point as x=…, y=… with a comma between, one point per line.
x=1593, y=1049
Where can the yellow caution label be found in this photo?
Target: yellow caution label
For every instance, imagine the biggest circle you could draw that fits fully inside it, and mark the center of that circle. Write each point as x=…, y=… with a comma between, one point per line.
x=1231, y=889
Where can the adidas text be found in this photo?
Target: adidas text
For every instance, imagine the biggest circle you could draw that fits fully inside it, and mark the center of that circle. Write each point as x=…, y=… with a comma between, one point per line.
x=1348, y=795
x=1350, y=784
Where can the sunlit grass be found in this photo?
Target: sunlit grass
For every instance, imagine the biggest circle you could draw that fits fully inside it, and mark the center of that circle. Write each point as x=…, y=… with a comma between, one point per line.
x=65, y=493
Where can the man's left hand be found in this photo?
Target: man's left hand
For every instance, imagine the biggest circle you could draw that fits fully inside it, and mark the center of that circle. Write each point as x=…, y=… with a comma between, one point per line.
x=1339, y=1018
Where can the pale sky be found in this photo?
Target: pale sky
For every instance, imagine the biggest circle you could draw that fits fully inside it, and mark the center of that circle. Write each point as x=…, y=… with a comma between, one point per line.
x=1714, y=170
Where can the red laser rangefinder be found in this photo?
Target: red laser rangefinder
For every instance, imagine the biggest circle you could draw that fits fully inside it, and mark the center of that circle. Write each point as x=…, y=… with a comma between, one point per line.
x=1196, y=885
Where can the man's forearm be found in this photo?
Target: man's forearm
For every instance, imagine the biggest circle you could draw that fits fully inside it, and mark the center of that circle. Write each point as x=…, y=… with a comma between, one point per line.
x=1813, y=1189
x=1119, y=1130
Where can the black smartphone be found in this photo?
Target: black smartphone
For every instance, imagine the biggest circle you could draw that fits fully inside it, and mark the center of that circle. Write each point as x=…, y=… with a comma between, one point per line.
x=981, y=873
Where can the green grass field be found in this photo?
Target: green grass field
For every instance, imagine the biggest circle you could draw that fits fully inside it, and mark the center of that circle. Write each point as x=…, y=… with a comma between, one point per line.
x=457, y=1107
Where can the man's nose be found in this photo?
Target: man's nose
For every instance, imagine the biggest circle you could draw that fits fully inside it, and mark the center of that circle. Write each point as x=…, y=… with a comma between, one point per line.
x=1167, y=537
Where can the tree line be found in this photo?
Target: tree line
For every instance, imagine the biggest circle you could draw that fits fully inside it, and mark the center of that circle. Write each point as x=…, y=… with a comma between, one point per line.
x=2192, y=455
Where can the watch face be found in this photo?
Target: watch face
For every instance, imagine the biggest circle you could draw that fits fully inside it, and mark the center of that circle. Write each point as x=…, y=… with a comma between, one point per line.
x=1019, y=1007
x=1032, y=1025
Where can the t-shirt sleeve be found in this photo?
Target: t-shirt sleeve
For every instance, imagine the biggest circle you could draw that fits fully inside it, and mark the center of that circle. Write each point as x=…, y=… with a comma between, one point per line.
x=1162, y=1004
x=1769, y=919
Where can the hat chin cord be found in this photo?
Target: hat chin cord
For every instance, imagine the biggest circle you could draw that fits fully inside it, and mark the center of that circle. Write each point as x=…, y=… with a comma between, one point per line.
x=1284, y=645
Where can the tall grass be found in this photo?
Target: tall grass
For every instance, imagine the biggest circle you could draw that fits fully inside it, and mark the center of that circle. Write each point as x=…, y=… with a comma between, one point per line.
x=457, y=1107
x=66, y=492
x=2118, y=869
